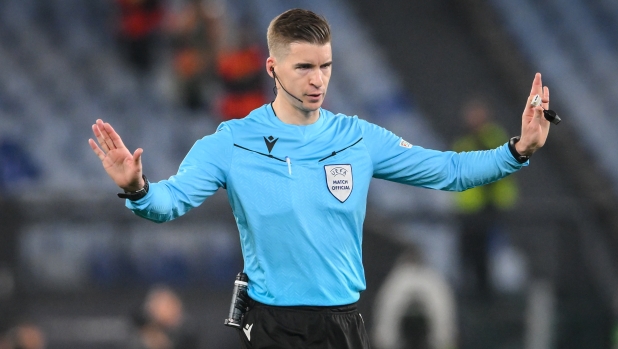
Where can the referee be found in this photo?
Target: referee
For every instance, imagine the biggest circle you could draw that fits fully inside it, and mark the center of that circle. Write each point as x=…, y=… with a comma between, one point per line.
x=297, y=178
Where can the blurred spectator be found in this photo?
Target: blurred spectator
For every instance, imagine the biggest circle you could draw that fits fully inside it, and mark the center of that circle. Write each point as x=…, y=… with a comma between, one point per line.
x=17, y=169
x=4, y=340
x=148, y=335
x=25, y=336
x=240, y=70
x=4, y=343
x=414, y=308
x=10, y=216
x=16, y=165
x=196, y=34
x=479, y=207
x=138, y=30
x=162, y=323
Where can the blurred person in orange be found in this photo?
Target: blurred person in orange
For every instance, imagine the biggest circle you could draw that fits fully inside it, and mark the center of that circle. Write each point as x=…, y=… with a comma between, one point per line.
x=195, y=32
x=240, y=70
x=139, y=24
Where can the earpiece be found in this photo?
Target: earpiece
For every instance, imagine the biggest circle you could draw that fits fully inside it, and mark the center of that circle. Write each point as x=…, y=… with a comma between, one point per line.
x=272, y=69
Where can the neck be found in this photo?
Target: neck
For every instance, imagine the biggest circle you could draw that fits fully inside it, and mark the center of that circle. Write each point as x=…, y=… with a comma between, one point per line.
x=291, y=114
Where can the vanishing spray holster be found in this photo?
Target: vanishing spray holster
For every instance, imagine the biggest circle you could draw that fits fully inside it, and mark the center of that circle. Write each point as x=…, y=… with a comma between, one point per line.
x=240, y=301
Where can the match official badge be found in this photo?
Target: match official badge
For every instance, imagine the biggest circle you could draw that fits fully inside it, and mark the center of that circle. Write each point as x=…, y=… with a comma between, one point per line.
x=339, y=181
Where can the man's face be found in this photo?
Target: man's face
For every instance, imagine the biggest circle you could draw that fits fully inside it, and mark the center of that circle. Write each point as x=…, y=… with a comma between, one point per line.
x=305, y=72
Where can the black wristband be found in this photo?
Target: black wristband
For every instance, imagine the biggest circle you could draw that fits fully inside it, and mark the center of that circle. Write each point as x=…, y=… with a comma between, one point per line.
x=136, y=195
x=520, y=158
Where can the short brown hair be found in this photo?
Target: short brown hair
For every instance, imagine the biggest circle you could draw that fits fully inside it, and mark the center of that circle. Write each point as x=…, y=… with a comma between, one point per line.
x=297, y=25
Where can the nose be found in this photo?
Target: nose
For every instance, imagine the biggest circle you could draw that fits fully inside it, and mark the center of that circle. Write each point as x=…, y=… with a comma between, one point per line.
x=316, y=78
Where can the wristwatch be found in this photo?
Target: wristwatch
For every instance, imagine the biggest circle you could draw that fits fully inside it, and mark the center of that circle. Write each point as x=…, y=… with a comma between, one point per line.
x=520, y=158
x=136, y=195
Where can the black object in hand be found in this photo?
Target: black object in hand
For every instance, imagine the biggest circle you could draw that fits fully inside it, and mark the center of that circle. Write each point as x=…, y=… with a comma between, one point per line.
x=551, y=116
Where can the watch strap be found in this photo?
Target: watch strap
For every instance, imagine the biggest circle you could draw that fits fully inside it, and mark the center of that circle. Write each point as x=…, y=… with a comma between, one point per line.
x=136, y=195
x=520, y=158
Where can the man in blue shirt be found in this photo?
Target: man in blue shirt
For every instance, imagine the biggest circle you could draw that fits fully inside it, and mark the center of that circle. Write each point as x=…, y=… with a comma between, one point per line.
x=297, y=178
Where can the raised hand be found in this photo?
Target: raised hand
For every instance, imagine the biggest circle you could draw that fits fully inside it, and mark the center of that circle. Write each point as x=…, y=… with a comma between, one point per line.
x=122, y=166
x=534, y=127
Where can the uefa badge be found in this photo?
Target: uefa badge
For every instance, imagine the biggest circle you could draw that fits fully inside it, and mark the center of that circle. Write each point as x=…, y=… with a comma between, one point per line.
x=339, y=181
x=404, y=144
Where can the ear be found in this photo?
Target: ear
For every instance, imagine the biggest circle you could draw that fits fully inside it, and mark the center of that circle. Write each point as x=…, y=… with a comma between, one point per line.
x=270, y=66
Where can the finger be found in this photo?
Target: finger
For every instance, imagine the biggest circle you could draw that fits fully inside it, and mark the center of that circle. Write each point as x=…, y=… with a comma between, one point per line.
x=529, y=104
x=115, y=137
x=537, y=85
x=137, y=156
x=101, y=135
x=535, y=112
x=100, y=138
x=96, y=149
x=546, y=97
x=538, y=114
x=105, y=134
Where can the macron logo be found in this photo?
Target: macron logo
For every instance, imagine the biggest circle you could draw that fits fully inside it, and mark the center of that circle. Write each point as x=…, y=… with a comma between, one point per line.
x=247, y=331
x=270, y=142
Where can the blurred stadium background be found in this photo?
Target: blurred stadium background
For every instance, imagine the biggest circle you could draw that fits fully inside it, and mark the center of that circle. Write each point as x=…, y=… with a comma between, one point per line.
x=77, y=264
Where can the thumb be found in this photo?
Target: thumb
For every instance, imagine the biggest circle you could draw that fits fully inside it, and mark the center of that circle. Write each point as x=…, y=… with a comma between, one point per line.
x=137, y=156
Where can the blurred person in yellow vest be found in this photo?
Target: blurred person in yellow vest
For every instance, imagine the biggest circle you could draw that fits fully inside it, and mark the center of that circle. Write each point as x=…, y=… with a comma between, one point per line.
x=479, y=208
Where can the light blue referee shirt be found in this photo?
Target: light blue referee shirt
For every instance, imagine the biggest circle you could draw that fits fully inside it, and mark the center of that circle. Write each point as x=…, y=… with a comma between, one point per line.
x=299, y=193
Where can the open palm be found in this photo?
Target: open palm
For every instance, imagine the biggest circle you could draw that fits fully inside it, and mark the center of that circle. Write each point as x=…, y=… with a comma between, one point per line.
x=535, y=127
x=124, y=168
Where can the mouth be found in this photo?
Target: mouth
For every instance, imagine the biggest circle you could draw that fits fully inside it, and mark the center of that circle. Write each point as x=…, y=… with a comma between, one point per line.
x=314, y=95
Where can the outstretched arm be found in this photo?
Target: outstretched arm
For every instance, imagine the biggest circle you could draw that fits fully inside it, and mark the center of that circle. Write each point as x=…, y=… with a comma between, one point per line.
x=534, y=127
x=124, y=168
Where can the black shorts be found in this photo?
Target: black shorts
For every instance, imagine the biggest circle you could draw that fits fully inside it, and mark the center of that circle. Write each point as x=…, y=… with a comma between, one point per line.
x=271, y=327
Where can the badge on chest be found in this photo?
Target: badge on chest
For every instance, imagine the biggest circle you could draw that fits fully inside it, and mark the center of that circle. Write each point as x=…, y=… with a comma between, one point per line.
x=339, y=181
